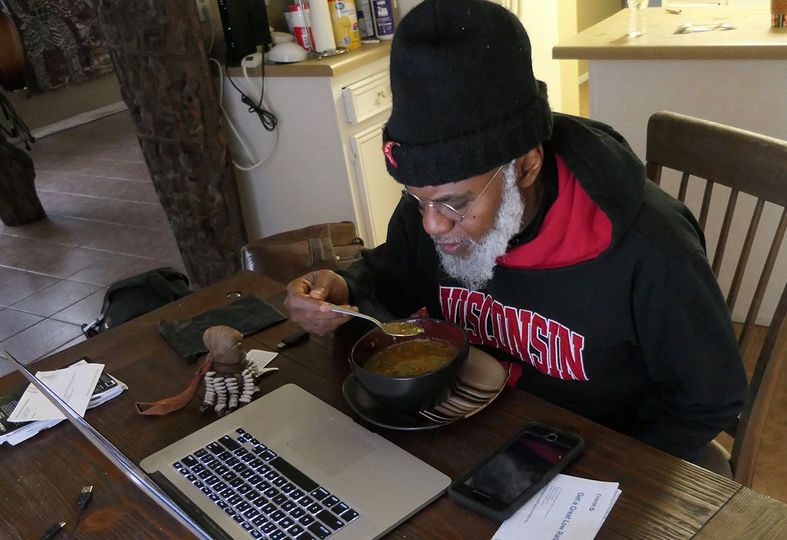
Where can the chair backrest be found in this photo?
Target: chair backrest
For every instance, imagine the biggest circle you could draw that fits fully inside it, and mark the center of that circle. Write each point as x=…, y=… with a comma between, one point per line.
x=708, y=154
x=290, y=254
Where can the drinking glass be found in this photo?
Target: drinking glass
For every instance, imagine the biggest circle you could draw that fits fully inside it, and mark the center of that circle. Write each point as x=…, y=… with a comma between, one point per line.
x=638, y=17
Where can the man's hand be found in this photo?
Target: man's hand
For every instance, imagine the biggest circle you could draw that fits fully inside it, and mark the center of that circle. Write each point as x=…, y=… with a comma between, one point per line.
x=306, y=297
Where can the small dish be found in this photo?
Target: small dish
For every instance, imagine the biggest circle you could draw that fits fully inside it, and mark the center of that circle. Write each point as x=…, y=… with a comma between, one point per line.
x=479, y=369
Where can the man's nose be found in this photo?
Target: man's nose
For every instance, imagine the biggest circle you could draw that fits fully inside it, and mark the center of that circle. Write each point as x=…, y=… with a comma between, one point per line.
x=435, y=223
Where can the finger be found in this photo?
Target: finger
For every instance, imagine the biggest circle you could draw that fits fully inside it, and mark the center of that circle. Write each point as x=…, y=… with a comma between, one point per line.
x=325, y=307
x=321, y=284
x=301, y=285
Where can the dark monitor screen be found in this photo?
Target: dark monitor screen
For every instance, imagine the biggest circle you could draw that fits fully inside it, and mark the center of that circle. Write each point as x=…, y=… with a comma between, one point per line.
x=245, y=24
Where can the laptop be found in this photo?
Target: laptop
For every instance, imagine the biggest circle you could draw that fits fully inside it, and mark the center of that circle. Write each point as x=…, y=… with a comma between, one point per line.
x=287, y=465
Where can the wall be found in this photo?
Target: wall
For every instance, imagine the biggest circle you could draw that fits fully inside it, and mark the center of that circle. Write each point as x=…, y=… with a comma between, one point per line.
x=593, y=12
x=567, y=26
x=49, y=108
x=546, y=24
x=405, y=5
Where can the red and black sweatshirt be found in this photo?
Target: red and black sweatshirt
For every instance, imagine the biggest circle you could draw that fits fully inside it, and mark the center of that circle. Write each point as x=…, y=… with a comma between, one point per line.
x=609, y=308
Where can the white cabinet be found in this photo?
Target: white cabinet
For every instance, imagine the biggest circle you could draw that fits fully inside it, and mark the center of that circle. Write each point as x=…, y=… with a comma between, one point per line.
x=378, y=191
x=367, y=98
x=325, y=162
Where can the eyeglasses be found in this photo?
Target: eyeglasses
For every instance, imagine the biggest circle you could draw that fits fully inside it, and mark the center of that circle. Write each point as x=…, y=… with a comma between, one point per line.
x=447, y=210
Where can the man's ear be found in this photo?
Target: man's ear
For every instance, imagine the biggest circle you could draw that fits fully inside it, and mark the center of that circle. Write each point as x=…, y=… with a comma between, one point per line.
x=528, y=167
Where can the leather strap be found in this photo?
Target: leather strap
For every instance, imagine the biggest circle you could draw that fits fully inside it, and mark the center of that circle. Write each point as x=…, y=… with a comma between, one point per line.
x=175, y=403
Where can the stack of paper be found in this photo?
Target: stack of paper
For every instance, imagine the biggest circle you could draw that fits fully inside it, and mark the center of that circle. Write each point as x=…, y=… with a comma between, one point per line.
x=568, y=508
x=26, y=411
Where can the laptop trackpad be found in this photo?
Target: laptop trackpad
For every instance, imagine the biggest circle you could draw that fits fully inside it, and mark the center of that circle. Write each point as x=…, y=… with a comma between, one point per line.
x=331, y=446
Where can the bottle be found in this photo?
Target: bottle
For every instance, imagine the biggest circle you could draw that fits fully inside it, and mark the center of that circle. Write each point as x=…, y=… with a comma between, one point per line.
x=638, y=17
x=365, y=19
x=779, y=13
x=298, y=22
x=345, y=24
x=383, y=13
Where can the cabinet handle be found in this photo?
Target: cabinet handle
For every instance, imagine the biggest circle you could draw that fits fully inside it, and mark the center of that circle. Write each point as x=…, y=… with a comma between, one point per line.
x=382, y=94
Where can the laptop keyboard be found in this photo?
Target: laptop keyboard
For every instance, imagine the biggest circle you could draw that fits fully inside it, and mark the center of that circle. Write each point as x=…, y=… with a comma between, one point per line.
x=262, y=492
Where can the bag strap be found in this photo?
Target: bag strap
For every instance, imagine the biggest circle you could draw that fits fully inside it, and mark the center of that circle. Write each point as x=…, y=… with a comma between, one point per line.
x=177, y=402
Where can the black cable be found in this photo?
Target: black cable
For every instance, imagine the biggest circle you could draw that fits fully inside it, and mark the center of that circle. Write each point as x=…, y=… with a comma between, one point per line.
x=84, y=499
x=268, y=119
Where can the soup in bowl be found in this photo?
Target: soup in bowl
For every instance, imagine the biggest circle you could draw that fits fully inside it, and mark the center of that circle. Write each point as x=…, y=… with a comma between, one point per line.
x=410, y=373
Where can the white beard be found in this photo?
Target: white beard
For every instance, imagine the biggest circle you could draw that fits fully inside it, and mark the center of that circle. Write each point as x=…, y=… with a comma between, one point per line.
x=477, y=267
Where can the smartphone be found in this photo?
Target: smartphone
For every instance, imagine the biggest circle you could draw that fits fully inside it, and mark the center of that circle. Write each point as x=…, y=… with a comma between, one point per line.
x=504, y=481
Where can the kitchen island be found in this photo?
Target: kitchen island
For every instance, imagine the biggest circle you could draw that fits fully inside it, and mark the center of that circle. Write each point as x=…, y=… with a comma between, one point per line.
x=736, y=77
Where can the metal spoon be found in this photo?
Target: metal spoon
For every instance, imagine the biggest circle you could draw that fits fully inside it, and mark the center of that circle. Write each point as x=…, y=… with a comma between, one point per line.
x=395, y=328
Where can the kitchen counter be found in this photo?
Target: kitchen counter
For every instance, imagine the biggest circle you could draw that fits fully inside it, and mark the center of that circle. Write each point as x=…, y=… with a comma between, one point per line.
x=753, y=37
x=330, y=66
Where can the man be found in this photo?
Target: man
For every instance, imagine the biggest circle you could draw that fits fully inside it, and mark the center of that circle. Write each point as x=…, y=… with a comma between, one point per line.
x=540, y=235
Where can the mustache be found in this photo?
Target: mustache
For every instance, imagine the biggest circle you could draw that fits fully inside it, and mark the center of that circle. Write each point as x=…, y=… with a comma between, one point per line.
x=445, y=240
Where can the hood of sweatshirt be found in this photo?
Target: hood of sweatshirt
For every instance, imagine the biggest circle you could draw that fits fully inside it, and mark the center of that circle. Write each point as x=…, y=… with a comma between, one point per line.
x=598, y=198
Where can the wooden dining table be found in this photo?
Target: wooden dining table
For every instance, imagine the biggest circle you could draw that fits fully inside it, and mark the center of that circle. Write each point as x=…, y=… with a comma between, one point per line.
x=663, y=497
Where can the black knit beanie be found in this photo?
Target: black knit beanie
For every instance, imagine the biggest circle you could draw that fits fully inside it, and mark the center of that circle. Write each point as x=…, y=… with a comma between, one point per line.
x=464, y=96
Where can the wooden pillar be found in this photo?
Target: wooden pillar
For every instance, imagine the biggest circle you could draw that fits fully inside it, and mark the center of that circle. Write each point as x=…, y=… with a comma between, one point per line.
x=19, y=203
x=166, y=82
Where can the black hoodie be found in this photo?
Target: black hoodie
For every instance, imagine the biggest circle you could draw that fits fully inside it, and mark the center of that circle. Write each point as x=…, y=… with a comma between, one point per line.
x=633, y=332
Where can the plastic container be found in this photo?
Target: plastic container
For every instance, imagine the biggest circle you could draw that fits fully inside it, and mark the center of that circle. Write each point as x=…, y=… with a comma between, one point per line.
x=345, y=24
x=365, y=18
x=298, y=20
x=383, y=13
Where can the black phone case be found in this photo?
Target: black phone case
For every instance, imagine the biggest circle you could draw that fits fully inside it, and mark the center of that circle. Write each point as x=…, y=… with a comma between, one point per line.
x=504, y=514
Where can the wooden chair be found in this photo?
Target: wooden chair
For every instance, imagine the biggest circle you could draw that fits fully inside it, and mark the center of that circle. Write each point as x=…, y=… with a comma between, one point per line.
x=707, y=154
x=290, y=254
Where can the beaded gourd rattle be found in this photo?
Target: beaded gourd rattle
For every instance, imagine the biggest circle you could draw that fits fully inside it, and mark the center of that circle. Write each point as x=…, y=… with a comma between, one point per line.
x=229, y=373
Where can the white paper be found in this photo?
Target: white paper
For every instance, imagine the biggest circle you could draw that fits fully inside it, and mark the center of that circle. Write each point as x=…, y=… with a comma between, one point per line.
x=74, y=385
x=260, y=358
x=568, y=508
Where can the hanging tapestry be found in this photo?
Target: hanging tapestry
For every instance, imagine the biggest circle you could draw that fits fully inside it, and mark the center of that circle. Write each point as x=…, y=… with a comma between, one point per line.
x=62, y=42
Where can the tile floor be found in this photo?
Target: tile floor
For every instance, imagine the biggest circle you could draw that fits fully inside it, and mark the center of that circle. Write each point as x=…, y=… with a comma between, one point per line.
x=104, y=223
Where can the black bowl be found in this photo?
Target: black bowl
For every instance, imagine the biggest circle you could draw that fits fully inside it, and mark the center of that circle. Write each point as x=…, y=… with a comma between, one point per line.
x=409, y=394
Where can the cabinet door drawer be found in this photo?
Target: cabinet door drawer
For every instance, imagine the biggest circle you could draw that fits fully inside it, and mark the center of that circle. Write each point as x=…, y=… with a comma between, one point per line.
x=379, y=193
x=367, y=97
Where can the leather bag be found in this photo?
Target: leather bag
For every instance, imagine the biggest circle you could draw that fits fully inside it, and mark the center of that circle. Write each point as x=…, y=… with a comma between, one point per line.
x=290, y=254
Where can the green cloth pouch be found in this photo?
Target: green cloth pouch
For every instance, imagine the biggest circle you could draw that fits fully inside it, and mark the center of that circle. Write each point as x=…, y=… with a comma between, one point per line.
x=247, y=315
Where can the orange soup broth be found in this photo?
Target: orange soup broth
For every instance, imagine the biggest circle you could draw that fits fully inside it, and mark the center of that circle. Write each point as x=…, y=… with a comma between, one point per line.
x=411, y=358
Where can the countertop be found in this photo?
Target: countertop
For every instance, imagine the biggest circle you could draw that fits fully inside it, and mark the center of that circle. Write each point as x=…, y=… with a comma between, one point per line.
x=753, y=37
x=325, y=67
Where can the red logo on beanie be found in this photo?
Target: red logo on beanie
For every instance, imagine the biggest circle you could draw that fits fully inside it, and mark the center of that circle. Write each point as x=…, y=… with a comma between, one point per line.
x=388, y=151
